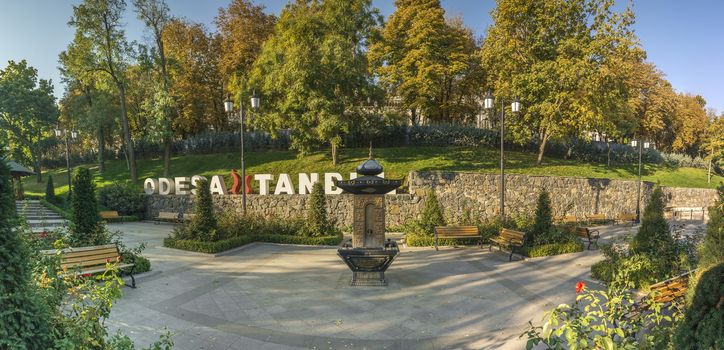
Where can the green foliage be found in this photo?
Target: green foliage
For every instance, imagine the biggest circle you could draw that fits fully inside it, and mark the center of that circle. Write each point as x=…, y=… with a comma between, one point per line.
x=50, y=190
x=602, y=319
x=86, y=222
x=60, y=211
x=230, y=243
x=553, y=249
x=543, y=223
x=24, y=318
x=203, y=226
x=704, y=318
x=711, y=250
x=122, y=197
x=654, y=236
x=318, y=223
x=431, y=215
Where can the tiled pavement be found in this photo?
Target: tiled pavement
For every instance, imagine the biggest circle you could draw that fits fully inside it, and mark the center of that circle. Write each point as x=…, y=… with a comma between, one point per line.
x=290, y=297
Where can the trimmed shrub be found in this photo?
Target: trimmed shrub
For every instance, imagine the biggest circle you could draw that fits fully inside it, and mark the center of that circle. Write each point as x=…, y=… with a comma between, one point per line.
x=318, y=223
x=50, y=190
x=203, y=227
x=711, y=250
x=24, y=319
x=654, y=235
x=234, y=242
x=86, y=222
x=553, y=249
x=122, y=197
x=704, y=318
x=431, y=215
x=543, y=223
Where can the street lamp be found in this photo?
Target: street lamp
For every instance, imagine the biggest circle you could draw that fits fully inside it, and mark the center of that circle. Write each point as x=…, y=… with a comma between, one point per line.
x=641, y=145
x=68, y=134
x=229, y=108
x=515, y=108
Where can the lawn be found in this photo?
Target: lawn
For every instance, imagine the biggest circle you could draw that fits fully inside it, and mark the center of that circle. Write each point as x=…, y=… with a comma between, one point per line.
x=398, y=162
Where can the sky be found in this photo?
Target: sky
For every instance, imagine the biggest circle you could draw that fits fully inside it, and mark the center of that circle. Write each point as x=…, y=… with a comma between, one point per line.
x=685, y=39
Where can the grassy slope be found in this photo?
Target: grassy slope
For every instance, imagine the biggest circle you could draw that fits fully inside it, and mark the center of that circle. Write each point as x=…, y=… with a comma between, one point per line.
x=396, y=161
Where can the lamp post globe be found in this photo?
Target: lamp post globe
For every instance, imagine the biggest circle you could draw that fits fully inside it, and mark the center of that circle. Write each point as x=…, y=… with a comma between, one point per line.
x=488, y=101
x=255, y=101
x=228, y=105
x=515, y=106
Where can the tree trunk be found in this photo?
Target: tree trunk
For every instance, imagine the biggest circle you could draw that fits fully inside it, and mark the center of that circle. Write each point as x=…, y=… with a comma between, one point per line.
x=542, y=147
x=37, y=169
x=708, y=173
x=167, y=156
x=334, y=154
x=127, y=134
x=101, y=150
x=608, y=153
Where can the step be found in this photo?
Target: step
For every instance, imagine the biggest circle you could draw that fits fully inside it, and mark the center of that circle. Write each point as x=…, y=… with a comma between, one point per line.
x=42, y=217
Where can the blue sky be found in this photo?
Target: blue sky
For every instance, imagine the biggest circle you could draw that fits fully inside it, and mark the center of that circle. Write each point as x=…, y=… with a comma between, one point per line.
x=685, y=39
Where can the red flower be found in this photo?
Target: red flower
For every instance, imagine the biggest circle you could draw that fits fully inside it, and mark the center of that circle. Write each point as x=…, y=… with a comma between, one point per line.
x=87, y=275
x=579, y=286
x=43, y=234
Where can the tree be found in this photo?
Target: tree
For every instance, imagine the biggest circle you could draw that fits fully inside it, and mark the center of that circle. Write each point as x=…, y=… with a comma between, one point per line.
x=426, y=61
x=24, y=321
x=155, y=14
x=243, y=28
x=689, y=124
x=554, y=55
x=543, y=223
x=313, y=72
x=193, y=67
x=86, y=229
x=204, y=222
x=431, y=215
x=713, y=143
x=654, y=236
x=27, y=111
x=50, y=190
x=704, y=318
x=317, y=221
x=711, y=250
x=99, y=21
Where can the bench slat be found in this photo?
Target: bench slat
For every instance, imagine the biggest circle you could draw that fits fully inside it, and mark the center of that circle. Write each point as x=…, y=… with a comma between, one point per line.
x=106, y=255
x=87, y=253
x=83, y=263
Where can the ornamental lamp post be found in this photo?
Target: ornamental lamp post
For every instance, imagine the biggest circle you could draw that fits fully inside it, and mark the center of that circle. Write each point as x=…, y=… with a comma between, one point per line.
x=515, y=108
x=229, y=108
x=641, y=145
x=74, y=135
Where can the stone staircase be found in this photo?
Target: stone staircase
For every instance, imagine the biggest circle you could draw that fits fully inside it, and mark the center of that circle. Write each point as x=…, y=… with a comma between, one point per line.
x=39, y=217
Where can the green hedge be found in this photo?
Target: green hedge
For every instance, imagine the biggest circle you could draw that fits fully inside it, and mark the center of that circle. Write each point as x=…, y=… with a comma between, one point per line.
x=603, y=270
x=125, y=218
x=418, y=240
x=553, y=249
x=226, y=244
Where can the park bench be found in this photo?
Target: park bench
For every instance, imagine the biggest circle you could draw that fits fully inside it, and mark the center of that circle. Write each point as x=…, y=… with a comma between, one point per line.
x=685, y=213
x=188, y=216
x=664, y=292
x=167, y=216
x=590, y=235
x=111, y=215
x=457, y=232
x=508, y=239
x=597, y=218
x=568, y=219
x=627, y=218
x=90, y=260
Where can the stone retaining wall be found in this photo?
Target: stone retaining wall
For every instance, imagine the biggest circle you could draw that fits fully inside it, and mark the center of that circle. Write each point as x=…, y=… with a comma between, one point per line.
x=461, y=192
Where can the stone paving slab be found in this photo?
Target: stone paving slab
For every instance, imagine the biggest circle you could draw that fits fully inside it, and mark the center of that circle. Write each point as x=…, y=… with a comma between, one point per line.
x=294, y=297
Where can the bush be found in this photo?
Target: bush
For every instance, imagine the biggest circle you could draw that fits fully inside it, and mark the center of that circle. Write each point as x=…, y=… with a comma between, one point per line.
x=553, y=249
x=431, y=215
x=318, y=223
x=24, y=318
x=203, y=227
x=704, y=318
x=230, y=243
x=50, y=190
x=123, y=198
x=86, y=222
x=711, y=250
x=543, y=224
x=654, y=236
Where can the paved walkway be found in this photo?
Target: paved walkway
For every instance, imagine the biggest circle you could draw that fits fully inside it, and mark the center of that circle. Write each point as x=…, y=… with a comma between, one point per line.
x=292, y=297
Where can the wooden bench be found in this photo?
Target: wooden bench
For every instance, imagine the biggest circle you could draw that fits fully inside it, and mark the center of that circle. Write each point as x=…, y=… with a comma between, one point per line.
x=508, y=239
x=458, y=232
x=188, y=216
x=590, y=235
x=597, y=218
x=165, y=215
x=627, y=218
x=90, y=260
x=110, y=215
x=664, y=292
x=568, y=219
